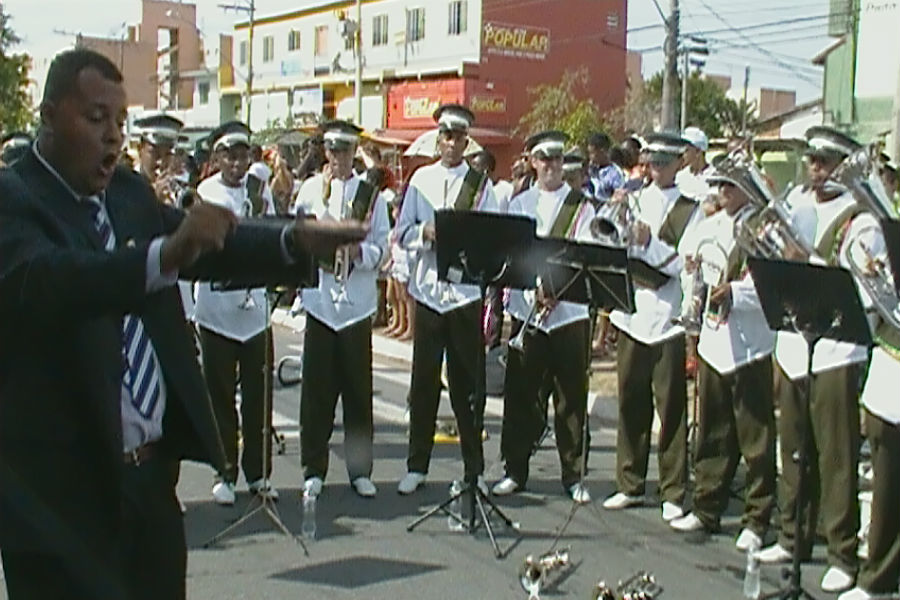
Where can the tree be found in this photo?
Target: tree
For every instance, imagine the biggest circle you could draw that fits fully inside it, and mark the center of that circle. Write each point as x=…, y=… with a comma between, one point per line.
x=564, y=106
x=708, y=108
x=16, y=111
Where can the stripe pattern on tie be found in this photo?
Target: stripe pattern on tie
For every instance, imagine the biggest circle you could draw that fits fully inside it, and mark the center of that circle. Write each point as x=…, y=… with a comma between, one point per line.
x=141, y=377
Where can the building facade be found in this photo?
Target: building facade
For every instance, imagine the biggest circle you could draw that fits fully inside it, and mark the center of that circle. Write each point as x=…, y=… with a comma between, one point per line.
x=415, y=55
x=862, y=71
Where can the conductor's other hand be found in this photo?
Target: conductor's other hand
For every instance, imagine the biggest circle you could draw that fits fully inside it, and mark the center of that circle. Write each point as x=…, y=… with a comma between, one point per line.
x=203, y=229
x=322, y=237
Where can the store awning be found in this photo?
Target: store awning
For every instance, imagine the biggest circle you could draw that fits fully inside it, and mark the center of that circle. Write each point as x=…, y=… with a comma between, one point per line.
x=482, y=135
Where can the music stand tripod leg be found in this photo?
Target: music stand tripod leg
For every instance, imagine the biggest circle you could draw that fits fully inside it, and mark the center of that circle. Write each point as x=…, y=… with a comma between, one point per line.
x=794, y=589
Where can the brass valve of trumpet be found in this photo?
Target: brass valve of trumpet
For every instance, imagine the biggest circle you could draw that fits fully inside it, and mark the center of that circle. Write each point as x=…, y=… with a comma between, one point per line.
x=536, y=571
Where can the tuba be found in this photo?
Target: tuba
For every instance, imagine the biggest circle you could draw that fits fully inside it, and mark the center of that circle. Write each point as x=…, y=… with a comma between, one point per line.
x=766, y=231
x=535, y=573
x=859, y=173
x=612, y=225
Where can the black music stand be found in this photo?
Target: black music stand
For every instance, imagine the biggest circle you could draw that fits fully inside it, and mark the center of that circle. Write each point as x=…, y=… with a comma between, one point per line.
x=816, y=302
x=891, y=230
x=595, y=275
x=482, y=249
x=304, y=273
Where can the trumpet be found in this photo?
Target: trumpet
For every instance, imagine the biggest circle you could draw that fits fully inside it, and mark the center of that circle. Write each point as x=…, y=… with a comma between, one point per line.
x=640, y=586
x=517, y=343
x=707, y=275
x=536, y=571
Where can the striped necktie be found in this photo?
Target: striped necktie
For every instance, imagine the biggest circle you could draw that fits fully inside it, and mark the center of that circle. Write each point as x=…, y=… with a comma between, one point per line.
x=141, y=377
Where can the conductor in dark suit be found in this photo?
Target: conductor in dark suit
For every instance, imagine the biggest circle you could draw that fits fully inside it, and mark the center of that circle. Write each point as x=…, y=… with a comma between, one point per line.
x=100, y=391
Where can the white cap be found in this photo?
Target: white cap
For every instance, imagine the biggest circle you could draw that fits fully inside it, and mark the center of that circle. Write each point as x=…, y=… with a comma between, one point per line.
x=697, y=138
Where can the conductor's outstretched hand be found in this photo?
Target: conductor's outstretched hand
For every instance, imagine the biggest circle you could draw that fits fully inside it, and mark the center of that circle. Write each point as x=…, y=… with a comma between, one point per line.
x=203, y=229
x=322, y=237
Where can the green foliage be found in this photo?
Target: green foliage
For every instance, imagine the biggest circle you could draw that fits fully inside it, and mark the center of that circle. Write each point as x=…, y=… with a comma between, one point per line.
x=16, y=111
x=708, y=106
x=564, y=106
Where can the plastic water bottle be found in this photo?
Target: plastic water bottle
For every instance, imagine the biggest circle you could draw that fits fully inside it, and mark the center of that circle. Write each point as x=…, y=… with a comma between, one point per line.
x=309, y=516
x=751, y=575
x=455, y=507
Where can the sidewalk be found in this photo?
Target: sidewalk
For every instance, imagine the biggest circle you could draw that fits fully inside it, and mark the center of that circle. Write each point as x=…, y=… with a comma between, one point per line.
x=601, y=395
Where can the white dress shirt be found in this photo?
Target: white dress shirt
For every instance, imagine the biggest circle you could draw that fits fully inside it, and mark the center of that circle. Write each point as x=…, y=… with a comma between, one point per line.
x=744, y=336
x=231, y=314
x=790, y=349
x=543, y=207
x=503, y=191
x=434, y=187
x=651, y=323
x=694, y=185
x=329, y=303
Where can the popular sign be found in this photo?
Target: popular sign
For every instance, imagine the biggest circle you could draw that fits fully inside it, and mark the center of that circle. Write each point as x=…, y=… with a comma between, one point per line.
x=487, y=103
x=516, y=41
x=418, y=107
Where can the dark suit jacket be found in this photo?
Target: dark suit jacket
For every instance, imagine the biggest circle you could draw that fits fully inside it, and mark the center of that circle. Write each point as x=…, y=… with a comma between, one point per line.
x=62, y=301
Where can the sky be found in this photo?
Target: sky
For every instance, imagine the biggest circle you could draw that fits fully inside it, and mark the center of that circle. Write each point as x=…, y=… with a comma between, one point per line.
x=776, y=39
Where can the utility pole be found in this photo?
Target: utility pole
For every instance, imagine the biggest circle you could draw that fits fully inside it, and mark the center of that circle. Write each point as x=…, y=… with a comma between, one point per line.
x=358, y=82
x=249, y=7
x=670, y=74
x=744, y=106
x=686, y=75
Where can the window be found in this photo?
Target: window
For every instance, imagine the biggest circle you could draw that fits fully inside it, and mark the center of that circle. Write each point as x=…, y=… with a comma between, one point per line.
x=379, y=30
x=321, y=48
x=203, y=92
x=243, y=53
x=293, y=40
x=458, y=10
x=268, y=48
x=415, y=24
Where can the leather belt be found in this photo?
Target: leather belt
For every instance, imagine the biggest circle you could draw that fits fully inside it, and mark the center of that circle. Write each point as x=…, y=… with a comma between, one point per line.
x=141, y=454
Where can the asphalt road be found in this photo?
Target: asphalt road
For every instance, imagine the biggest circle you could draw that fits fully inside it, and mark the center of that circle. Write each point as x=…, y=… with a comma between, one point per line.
x=363, y=549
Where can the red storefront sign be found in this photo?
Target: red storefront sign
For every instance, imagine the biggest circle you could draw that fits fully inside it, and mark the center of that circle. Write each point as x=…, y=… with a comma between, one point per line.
x=412, y=104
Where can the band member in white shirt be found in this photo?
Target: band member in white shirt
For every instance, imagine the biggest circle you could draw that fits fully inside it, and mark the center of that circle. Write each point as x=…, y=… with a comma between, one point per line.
x=158, y=134
x=447, y=315
x=233, y=323
x=338, y=340
x=558, y=345
x=880, y=572
x=736, y=415
x=832, y=414
x=651, y=349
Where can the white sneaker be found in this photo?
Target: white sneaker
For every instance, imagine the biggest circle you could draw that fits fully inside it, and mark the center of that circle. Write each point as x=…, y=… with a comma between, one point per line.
x=671, y=511
x=579, y=493
x=687, y=523
x=856, y=593
x=482, y=485
x=263, y=487
x=774, y=554
x=836, y=579
x=410, y=483
x=312, y=486
x=223, y=493
x=747, y=539
x=364, y=487
x=505, y=487
x=619, y=501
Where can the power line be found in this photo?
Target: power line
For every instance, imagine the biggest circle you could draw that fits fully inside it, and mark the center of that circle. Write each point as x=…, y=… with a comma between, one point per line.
x=757, y=46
